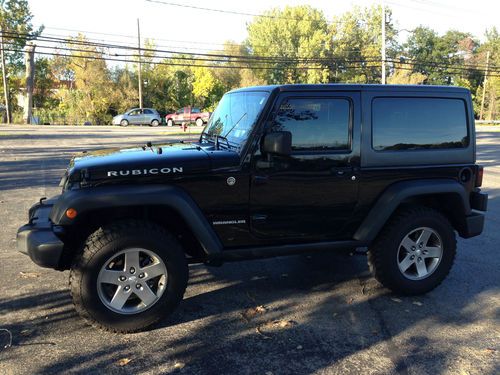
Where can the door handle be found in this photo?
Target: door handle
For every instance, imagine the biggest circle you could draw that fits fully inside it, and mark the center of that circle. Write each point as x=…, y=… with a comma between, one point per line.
x=342, y=171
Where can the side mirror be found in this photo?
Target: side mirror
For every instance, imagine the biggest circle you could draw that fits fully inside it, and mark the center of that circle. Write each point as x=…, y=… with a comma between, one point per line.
x=279, y=143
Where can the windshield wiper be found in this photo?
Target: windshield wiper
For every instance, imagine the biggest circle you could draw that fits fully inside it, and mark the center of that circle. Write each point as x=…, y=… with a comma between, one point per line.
x=234, y=126
x=216, y=137
x=217, y=142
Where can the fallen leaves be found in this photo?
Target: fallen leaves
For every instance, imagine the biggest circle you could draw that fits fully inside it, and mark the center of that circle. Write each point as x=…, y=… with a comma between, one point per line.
x=252, y=312
x=396, y=300
x=417, y=303
x=29, y=275
x=27, y=332
x=179, y=365
x=123, y=362
x=277, y=325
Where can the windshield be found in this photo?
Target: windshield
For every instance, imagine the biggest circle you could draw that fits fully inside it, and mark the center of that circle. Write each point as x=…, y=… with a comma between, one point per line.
x=234, y=117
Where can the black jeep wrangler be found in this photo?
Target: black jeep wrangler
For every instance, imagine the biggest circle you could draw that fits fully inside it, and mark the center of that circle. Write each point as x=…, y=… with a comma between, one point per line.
x=277, y=170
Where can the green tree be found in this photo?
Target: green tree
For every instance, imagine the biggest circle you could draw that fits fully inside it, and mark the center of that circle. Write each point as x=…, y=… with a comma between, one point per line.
x=15, y=21
x=45, y=84
x=492, y=89
x=357, y=45
x=403, y=76
x=436, y=56
x=91, y=97
x=207, y=88
x=125, y=92
x=17, y=28
x=292, y=33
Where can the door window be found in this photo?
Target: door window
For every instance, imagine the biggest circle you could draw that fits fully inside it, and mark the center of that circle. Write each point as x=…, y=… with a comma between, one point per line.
x=315, y=123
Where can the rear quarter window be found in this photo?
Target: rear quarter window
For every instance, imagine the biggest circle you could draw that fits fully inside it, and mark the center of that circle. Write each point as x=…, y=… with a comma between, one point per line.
x=410, y=123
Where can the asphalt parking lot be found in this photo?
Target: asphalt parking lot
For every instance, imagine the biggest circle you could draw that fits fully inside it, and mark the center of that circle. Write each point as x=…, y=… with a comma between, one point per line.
x=320, y=314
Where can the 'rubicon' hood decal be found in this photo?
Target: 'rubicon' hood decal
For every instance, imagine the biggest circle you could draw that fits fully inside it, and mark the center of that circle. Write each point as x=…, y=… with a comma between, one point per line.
x=143, y=172
x=158, y=161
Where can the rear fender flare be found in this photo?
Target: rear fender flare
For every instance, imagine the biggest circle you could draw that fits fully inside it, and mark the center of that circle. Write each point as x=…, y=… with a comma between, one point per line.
x=397, y=193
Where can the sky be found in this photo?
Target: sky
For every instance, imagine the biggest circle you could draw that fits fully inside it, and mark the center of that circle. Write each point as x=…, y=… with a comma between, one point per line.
x=171, y=26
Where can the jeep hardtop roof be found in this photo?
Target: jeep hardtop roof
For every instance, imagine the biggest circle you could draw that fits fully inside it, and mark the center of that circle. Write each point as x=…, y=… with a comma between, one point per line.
x=357, y=87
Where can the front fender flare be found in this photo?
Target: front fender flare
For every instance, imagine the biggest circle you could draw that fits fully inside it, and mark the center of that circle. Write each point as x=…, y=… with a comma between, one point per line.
x=87, y=200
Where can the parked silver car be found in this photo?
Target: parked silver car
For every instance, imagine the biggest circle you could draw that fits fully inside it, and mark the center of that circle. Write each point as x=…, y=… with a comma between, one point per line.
x=137, y=116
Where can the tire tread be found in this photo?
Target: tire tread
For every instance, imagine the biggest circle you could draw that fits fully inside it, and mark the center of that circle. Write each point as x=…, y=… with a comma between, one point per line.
x=385, y=239
x=94, y=243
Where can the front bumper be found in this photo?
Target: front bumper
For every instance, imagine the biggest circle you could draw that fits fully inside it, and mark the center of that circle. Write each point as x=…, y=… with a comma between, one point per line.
x=39, y=240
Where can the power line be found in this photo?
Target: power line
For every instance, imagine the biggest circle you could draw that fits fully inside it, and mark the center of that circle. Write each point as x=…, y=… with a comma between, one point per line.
x=170, y=64
x=251, y=59
x=155, y=50
x=328, y=66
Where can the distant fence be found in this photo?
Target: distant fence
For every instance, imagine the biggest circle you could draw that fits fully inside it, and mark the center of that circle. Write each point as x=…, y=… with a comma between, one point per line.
x=484, y=122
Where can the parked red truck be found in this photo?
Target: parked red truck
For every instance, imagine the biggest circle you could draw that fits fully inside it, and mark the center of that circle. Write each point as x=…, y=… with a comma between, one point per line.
x=187, y=115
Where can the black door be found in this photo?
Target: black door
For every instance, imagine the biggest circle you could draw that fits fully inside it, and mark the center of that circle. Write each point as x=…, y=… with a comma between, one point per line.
x=312, y=193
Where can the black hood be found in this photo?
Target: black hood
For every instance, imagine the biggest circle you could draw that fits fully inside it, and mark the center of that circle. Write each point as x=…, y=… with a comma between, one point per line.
x=120, y=165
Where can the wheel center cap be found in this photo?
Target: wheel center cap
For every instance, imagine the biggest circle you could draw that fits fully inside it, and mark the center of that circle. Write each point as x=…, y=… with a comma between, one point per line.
x=132, y=278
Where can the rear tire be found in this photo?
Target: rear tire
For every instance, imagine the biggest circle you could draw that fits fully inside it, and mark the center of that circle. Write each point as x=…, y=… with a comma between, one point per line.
x=146, y=298
x=414, y=252
x=170, y=122
x=199, y=122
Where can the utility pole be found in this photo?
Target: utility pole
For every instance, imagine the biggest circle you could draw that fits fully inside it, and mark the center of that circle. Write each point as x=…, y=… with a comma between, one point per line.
x=30, y=74
x=383, y=43
x=4, y=76
x=139, y=71
x=484, y=84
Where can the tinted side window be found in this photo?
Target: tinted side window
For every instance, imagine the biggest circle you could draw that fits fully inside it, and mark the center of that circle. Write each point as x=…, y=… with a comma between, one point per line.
x=418, y=123
x=148, y=112
x=195, y=110
x=315, y=123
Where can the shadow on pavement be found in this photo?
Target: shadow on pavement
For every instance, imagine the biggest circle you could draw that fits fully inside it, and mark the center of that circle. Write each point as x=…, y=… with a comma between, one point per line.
x=344, y=323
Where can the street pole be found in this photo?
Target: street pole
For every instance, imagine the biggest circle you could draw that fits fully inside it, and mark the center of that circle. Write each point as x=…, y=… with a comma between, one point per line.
x=383, y=43
x=30, y=73
x=139, y=71
x=4, y=76
x=484, y=84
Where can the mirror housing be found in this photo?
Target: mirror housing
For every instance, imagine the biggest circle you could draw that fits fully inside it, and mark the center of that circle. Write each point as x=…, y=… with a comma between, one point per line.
x=278, y=143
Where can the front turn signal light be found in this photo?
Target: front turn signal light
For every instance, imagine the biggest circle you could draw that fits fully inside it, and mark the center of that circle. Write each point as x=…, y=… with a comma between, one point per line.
x=71, y=213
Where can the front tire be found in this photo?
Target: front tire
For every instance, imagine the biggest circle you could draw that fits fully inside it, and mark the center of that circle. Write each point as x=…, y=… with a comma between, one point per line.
x=199, y=122
x=155, y=123
x=130, y=275
x=414, y=252
x=124, y=123
x=170, y=122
